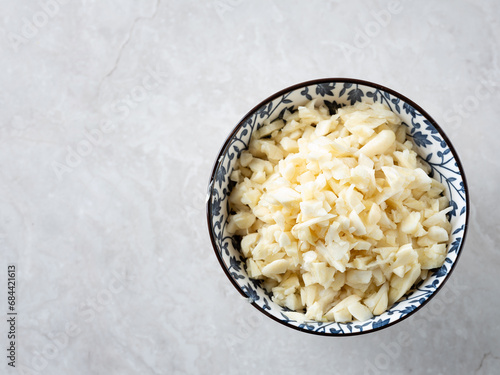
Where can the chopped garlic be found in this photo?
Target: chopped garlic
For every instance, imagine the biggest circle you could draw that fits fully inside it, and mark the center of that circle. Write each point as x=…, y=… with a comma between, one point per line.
x=336, y=214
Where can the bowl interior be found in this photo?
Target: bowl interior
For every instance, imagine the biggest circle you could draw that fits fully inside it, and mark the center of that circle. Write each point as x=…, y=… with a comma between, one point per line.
x=431, y=145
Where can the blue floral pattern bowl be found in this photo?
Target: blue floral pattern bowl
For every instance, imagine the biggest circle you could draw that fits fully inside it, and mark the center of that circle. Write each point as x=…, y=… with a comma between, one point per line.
x=432, y=145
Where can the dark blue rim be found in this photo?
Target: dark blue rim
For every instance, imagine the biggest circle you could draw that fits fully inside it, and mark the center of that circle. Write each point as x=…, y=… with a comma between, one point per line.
x=315, y=82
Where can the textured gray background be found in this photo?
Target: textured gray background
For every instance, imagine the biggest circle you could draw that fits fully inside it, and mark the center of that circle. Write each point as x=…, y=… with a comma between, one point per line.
x=116, y=274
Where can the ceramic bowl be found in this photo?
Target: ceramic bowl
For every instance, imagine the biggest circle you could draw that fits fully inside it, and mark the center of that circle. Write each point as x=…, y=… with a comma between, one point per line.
x=432, y=145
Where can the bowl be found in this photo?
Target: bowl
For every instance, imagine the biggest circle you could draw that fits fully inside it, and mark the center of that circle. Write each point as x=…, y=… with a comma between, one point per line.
x=431, y=144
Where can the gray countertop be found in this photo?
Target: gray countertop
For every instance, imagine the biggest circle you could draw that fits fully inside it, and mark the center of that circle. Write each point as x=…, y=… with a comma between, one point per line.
x=112, y=113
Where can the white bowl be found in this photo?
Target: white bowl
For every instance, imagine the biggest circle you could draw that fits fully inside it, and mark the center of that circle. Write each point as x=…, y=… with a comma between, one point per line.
x=432, y=145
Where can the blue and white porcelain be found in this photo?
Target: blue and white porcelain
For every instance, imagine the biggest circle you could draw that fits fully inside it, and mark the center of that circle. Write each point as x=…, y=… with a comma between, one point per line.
x=432, y=145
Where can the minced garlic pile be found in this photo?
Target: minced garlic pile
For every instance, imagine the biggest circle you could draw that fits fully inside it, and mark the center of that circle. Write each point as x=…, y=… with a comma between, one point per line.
x=337, y=214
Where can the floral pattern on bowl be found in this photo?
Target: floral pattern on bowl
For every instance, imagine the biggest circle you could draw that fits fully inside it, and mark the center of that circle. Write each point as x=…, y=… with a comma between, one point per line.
x=432, y=145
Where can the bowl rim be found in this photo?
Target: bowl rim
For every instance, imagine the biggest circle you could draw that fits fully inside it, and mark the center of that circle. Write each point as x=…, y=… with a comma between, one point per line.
x=315, y=82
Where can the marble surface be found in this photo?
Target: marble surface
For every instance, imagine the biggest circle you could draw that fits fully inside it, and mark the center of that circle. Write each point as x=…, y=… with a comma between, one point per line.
x=112, y=113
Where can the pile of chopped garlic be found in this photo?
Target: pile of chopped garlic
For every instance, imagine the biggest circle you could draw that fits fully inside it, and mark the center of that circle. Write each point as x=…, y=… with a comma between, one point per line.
x=336, y=213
